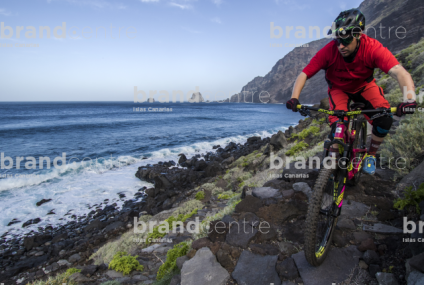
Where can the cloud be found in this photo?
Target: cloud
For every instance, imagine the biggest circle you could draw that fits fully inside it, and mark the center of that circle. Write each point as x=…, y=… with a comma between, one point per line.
x=181, y=6
x=217, y=2
x=216, y=20
x=4, y=12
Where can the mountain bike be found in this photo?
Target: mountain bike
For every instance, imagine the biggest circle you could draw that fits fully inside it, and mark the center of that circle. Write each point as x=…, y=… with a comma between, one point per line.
x=326, y=201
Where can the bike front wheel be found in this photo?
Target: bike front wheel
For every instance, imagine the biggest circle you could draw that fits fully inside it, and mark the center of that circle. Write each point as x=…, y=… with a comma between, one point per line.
x=321, y=218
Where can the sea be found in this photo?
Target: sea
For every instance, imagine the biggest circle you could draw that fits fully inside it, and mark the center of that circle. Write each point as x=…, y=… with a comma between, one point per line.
x=80, y=153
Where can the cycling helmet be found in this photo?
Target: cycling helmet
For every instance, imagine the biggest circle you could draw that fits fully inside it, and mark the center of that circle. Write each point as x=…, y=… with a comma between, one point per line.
x=348, y=22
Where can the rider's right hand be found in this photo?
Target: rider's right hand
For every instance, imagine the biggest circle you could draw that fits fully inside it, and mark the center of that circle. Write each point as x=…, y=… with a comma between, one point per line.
x=292, y=104
x=406, y=108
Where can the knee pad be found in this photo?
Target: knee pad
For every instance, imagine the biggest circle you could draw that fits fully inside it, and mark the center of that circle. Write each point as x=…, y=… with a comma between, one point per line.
x=381, y=126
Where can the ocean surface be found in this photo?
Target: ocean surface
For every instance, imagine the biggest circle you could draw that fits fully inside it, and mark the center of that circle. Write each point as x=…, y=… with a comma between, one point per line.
x=104, y=144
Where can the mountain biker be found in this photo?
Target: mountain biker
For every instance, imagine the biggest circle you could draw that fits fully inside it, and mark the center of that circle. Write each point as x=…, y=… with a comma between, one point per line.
x=349, y=61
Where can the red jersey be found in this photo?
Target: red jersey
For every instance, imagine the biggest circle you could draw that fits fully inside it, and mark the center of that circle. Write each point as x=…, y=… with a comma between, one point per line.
x=349, y=76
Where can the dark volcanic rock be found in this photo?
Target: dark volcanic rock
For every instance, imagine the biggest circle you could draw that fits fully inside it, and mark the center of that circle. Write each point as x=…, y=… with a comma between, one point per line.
x=14, y=221
x=253, y=269
x=213, y=169
x=249, y=204
x=217, y=231
x=240, y=235
x=287, y=269
x=278, y=140
x=30, y=222
x=43, y=201
x=264, y=249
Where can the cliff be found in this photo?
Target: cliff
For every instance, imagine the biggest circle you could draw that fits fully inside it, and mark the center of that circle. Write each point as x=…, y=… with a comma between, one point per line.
x=380, y=14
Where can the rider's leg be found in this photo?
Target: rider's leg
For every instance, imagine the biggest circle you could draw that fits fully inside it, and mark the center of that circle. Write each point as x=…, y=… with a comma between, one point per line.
x=338, y=101
x=373, y=97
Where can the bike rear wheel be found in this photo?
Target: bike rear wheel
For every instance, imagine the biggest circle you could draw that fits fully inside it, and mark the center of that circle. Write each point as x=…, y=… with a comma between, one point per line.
x=321, y=218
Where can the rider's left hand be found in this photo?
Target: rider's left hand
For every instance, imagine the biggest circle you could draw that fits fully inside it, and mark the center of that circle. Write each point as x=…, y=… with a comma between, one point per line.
x=406, y=108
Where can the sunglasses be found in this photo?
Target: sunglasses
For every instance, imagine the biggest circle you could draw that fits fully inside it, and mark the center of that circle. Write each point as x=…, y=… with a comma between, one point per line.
x=346, y=41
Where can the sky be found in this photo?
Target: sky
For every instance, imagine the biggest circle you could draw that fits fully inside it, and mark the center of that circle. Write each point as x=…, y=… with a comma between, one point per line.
x=212, y=46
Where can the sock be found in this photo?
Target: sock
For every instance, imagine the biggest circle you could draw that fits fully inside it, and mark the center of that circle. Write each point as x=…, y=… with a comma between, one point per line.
x=374, y=145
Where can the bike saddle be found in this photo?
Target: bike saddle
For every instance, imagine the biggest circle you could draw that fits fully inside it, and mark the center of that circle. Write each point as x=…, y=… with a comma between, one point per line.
x=356, y=106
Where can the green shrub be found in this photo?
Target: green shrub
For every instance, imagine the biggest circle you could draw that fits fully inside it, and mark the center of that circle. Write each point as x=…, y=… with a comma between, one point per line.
x=170, y=264
x=212, y=188
x=304, y=133
x=59, y=279
x=187, y=207
x=71, y=271
x=412, y=198
x=227, y=195
x=168, y=223
x=296, y=148
x=124, y=263
x=200, y=195
x=406, y=143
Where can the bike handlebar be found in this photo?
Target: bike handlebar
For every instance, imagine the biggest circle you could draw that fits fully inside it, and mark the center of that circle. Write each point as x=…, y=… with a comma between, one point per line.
x=347, y=113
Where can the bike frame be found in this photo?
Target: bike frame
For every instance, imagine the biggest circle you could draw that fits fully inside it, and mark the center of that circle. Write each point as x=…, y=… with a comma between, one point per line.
x=345, y=137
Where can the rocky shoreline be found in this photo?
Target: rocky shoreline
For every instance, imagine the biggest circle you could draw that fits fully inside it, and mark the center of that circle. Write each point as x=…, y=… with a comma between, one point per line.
x=25, y=254
x=368, y=240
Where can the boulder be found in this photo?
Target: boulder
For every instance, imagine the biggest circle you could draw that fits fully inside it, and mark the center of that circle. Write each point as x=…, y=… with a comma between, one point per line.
x=367, y=244
x=114, y=274
x=335, y=269
x=266, y=192
x=74, y=258
x=42, y=201
x=278, y=141
x=225, y=260
x=415, y=278
x=371, y=257
x=240, y=234
x=386, y=279
x=162, y=182
x=226, y=162
x=287, y=269
x=89, y=269
x=381, y=229
x=213, y=169
x=303, y=187
x=264, y=249
x=176, y=280
x=202, y=242
x=417, y=262
x=253, y=269
x=353, y=210
x=200, y=165
x=181, y=260
x=203, y=269
x=252, y=140
x=413, y=178
x=249, y=204
x=79, y=278
x=346, y=224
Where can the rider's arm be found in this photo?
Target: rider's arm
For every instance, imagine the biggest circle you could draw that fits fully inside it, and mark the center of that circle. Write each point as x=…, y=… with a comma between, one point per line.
x=319, y=61
x=299, y=84
x=405, y=81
